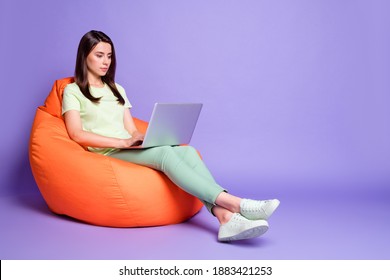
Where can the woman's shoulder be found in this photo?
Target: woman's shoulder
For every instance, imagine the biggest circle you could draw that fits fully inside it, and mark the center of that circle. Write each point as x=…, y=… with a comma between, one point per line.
x=72, y=87
x=72, y=90
x=123, y=93
x=119, y=87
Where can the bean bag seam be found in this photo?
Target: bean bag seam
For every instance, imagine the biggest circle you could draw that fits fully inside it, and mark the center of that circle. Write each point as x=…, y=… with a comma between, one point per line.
x=120, y=189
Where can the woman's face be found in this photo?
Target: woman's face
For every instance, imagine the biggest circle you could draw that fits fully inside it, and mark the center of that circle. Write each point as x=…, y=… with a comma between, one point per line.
x=99, y=60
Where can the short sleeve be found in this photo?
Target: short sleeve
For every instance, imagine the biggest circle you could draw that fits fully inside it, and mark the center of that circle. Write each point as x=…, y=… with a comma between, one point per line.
x=123, y=93
x=70, y=101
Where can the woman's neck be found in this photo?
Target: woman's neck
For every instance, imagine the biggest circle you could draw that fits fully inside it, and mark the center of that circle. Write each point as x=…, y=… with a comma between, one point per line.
x=95, y=81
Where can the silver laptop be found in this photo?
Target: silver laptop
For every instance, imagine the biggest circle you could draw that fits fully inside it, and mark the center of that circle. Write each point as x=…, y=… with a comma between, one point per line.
x=171, y=124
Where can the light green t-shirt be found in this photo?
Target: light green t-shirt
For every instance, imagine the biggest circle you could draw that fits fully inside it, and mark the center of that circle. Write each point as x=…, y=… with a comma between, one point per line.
x=103, y=118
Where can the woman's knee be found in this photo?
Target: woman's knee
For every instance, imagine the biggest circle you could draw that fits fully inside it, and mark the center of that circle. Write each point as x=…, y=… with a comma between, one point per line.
x=168, y=155
x=163, y=150
x=186, y=150
x=162, y=153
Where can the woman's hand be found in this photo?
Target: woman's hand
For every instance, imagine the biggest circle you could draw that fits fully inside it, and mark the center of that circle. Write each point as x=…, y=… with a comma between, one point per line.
x=136, y=140
x=125, y=143
x=138, y=135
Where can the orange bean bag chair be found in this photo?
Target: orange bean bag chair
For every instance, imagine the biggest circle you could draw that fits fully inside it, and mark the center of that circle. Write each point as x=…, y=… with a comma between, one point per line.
x=97, y=189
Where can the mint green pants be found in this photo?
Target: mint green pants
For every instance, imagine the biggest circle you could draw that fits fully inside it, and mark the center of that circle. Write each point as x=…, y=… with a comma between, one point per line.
x=182, y=165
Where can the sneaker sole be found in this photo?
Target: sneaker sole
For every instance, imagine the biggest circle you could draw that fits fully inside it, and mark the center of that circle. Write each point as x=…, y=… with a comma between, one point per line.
x=247, y=234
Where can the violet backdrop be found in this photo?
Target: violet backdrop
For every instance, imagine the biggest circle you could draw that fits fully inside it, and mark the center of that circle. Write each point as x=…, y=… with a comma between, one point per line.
x=295, y=93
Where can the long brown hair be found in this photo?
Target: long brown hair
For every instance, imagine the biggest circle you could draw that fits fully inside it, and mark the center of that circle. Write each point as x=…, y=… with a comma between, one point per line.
x=86, y=45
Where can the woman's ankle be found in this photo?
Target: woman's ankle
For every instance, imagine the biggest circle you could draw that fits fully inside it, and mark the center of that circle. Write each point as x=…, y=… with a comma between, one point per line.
x=229, y=202
x=223, y=215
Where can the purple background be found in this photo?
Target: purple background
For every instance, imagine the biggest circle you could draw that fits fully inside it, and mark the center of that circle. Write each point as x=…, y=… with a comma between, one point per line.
x=296, y=106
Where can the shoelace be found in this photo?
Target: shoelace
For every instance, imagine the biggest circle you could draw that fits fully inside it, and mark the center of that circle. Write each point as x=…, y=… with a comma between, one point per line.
x=254, y=207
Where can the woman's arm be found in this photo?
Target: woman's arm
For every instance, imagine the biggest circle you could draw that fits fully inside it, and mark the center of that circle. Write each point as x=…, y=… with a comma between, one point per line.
x=130, y=126
x=85, y=138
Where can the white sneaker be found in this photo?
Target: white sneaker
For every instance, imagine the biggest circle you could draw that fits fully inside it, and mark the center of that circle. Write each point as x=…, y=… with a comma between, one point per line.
x=238, y=227
x=258, y=209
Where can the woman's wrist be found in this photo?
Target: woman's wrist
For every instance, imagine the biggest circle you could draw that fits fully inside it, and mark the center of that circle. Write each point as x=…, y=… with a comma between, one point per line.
x=136, y=133
x=119, y=143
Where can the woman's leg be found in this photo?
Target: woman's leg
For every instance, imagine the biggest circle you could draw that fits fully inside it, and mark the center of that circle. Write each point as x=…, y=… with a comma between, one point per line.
x=181, y=164
x=192, y=158
x=222, y=214
x=252, y=209
x=185, y=168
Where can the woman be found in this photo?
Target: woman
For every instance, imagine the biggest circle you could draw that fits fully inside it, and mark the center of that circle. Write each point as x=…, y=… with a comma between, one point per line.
x=97, y=116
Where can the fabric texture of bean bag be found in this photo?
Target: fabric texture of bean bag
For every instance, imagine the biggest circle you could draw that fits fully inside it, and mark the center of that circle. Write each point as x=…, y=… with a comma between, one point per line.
x=97, y=189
